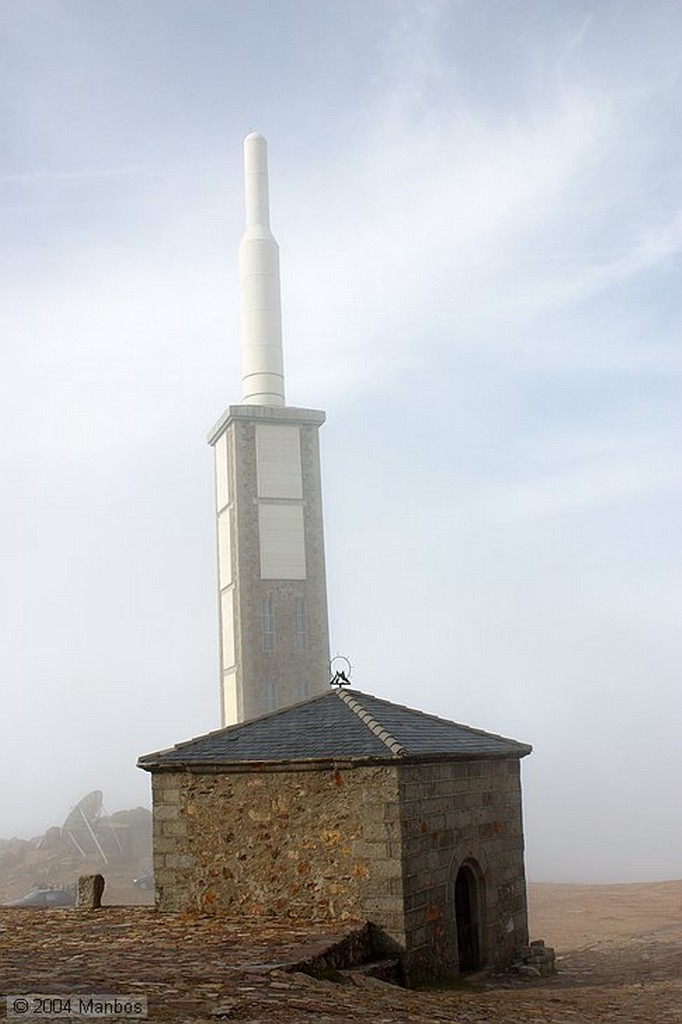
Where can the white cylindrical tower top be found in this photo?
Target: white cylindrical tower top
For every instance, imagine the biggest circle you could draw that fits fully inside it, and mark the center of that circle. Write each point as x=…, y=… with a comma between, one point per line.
x=259, y=287
x=256, y=180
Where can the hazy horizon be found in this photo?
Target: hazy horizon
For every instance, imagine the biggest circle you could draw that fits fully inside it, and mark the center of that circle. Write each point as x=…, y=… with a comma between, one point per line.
x=581, y=878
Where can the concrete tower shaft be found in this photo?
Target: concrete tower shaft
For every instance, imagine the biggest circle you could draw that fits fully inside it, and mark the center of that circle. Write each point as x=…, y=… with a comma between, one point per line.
x=259, y=287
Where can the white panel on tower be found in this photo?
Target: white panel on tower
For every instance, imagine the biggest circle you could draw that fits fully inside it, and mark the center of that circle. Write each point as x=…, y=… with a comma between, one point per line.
x=227, y=628
x=282, y=542
x=278, y=458
x=222, y=484
x=230, y=705
x=224, y=550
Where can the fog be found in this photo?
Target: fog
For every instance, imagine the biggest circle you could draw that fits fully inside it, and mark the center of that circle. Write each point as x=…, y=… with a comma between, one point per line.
x=479, y=218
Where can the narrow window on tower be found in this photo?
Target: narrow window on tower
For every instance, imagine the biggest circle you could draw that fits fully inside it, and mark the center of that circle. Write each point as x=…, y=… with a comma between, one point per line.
x=301, y=624
x=270, y=695
x=267, y=623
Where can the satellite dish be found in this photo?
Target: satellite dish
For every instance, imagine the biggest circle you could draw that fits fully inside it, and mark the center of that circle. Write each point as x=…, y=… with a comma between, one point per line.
x=90, y=807
x=80, y=823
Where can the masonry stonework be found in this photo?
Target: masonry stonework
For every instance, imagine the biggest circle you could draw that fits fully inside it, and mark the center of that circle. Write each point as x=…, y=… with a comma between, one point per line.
x=313, y=845
x=462, y=813
x=382, y=843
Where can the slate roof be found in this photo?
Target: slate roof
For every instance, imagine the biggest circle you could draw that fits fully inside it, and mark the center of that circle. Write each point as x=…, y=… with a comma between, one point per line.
x=339, y=724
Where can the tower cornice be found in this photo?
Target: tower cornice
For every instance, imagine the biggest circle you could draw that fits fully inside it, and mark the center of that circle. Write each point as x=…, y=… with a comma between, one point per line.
x=266, y=414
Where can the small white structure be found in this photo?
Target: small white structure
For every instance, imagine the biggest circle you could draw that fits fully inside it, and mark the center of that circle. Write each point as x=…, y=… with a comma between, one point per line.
x=274, y=634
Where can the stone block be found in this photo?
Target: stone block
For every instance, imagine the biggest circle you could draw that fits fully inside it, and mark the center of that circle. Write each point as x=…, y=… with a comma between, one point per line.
x=419, y=937
x=362, y=850
x=387, y=886
x=418, y=861
x=374, y=831
x=461, y=819
x=89, y=892
x=164, y=844
x=414, y=901
x=381, y=907
x=437, y=817
x=162, y=875
x=163, y=783
x=166, y=812
x=446, y=839
x=173, y=828
x=387, y=869
x=391, y=811
x=437, y=863
x=413, y=884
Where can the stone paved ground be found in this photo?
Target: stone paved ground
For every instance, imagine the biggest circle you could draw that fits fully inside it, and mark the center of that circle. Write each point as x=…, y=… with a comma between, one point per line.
x=203, y=969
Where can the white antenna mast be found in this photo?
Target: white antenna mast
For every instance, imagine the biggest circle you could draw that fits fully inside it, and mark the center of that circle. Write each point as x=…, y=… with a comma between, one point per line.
x=259, y=287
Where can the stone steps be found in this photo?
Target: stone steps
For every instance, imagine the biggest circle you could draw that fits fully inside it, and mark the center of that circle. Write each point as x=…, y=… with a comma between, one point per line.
x=361, y=954
x=389, y=970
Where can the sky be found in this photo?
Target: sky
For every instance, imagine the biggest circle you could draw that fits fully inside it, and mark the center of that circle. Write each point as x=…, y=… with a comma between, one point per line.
x=479, y=212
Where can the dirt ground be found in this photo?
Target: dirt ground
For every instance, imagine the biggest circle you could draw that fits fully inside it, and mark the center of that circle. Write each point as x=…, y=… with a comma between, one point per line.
x=574, y=916
x=619, y=957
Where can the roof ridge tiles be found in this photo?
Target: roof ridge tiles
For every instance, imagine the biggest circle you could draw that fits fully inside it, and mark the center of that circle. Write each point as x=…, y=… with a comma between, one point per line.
x=448, y=721
x=375, y=727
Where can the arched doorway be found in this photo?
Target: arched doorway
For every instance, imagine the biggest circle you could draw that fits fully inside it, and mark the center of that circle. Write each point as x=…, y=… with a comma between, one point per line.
x=467, y=919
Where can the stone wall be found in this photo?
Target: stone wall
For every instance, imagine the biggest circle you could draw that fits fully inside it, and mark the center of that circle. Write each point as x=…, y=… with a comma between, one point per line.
x=451, y=813
x=303, y=844
x=377, y=843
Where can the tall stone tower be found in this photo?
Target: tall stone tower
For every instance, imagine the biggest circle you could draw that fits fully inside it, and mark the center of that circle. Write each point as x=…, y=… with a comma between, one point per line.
x=272, y=594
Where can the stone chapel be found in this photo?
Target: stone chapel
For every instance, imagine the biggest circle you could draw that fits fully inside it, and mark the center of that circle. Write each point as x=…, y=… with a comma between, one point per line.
x=348, y=807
